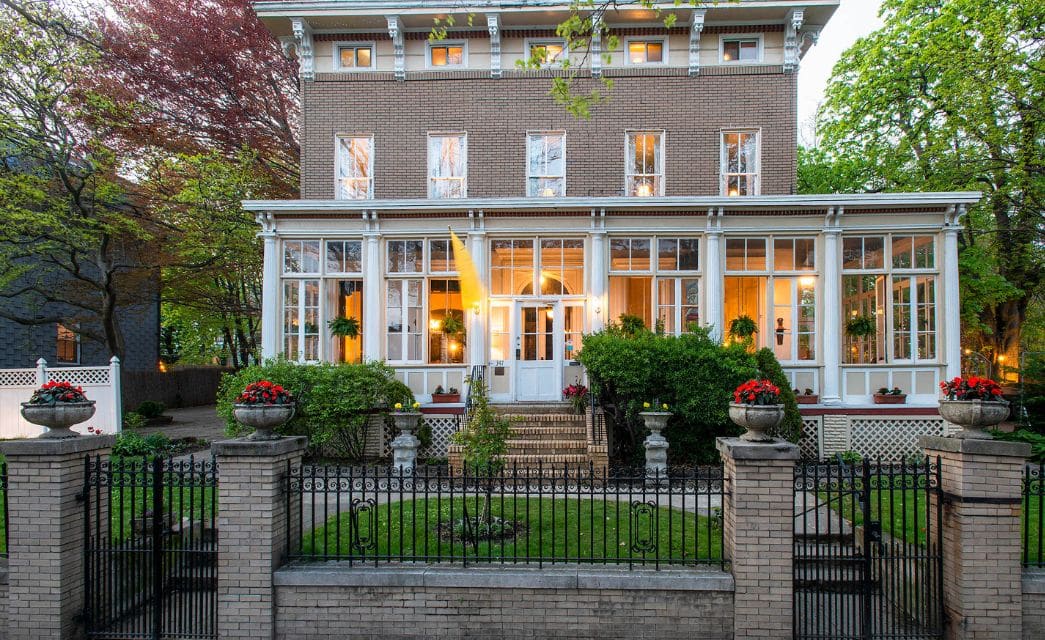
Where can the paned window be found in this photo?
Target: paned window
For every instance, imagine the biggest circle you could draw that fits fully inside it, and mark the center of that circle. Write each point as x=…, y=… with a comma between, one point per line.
x=68, y=345
x=546, y=165
x=447, y=166
x=446, y=54
x=644, y=164
x=406, y=256
x=740, y=163
x=678, y=254
x=741, y=50
x=562, y=267
x=344, y=256
x=301, y=256
x=630, y=254
x=355, y=162
x=301, y=320
x=403, y=309
x=646, y=52
x=351, y=56
x=664, y=302
x=547, y=53
x=511, y=266
x=745, y=254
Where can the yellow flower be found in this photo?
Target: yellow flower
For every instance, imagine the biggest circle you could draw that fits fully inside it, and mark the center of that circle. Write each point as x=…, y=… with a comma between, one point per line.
x=664, y=406
x=417, y=405
x=645, y=405
x=398, y=406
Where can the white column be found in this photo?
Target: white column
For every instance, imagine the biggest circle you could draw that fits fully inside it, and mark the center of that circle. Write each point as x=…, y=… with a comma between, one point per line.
x=270, y=286
x=952, y=330
x=372, y=303
x=598, y=274
x=832, y=320
x=116, y=387
x=477, y=322
x=713, y=295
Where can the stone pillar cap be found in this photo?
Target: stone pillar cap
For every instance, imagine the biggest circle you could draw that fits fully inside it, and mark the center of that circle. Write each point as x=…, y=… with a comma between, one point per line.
x=776, y=449
x=259, y=448
x=56, y=446
x=976, y=446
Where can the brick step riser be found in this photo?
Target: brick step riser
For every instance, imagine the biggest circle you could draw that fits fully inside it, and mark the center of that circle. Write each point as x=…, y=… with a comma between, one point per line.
x=567, y=433
x=542, y=449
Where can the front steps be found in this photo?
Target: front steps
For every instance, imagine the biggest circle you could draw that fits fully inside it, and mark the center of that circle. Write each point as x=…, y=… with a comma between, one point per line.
x=544, y=435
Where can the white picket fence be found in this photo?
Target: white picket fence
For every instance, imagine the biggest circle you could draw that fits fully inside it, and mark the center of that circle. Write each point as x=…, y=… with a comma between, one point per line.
x=101, y=384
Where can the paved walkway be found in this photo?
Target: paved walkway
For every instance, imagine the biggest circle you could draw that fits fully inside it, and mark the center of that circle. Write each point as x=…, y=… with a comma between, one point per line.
x=191, y=422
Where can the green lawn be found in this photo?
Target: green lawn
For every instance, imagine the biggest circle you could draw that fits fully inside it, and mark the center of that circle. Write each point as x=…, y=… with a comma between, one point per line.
x=1032, y=532
x=559, y=530
x=129, y=504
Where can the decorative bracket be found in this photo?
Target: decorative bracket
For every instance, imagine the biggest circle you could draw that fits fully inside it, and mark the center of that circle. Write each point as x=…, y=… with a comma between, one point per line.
x=267, y=221
x=493, y=23
x=302, y=41
x=596, y=46
x=714, y=221
x=695, y=29
x=395, y=31
x=795, y=19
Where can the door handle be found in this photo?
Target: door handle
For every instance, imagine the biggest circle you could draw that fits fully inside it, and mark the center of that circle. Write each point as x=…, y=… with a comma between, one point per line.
x=518, y=353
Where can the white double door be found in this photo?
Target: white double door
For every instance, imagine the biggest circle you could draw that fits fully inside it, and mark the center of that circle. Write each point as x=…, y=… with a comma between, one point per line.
x=545, y=334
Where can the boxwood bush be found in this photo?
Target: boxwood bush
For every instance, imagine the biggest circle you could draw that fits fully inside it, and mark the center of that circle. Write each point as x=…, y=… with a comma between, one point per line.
x=334, y=401
x=692, y=373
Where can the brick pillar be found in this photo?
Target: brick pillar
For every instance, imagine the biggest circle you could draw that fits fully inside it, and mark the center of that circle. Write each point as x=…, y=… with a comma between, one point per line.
x=758, y=523
x=252, y=531
x=45, y=539
x=981, y=486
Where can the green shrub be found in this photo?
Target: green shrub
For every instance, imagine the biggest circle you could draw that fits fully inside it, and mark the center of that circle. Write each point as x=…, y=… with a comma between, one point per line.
x=694, y=374
x=791, y=428
x=1035, y=440
x=133, y=420
x=150, y=409
x=334, y=401
x=132, y=444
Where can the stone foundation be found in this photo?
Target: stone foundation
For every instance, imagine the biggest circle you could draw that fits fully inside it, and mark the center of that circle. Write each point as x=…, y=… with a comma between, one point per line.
x=1034, y=604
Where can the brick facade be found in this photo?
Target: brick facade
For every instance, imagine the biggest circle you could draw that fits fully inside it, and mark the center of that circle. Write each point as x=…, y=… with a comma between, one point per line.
x=496, y=114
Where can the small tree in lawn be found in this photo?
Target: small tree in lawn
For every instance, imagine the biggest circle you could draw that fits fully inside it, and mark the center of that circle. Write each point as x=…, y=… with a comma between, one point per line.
x=485, y=442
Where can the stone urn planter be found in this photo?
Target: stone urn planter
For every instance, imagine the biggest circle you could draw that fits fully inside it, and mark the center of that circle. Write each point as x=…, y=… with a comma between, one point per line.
x=758, y=419
x=58, y=417
x=973, y=416
x=656, y=444
x=263, y=418
x=406, y=444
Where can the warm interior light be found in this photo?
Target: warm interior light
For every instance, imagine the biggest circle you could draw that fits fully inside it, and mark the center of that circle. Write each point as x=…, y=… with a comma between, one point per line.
x=855, y=313
x=727, y=56
x=1001, y=358
x=550, y=313
x=734, y=192
x=644, y=190
x=807, y=280
x=434, y=324
x=968, y=352
x=548, y=192
x=496, y=354
x=453, y=346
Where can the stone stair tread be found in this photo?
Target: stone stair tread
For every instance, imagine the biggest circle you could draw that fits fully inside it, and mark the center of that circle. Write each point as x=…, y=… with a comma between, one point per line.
x=549, y=459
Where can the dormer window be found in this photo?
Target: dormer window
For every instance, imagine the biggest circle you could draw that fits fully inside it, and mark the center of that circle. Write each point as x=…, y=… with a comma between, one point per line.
x=354, y=56
x=741, y=49
x=546, y=52
x=447, y=54
x=646, y=52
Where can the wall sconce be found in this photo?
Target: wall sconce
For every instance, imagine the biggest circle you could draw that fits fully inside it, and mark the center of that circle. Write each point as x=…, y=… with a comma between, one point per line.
x=475, y=308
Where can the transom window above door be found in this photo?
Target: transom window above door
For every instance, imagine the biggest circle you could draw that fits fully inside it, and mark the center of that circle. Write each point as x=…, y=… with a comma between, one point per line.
x=546, y=164
x=555, y=265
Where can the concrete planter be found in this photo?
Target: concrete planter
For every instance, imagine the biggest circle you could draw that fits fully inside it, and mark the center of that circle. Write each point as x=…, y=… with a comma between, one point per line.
x=58, y=417
x=758, y=419
x=973, y=416
x=406, y=444
x=656, y=444
x=263, y=418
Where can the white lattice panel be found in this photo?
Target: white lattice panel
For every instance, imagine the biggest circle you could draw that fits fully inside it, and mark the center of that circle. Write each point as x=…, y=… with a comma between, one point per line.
x=442, y=427
x=809, y=443
x=892, y=438
x=18, y=378
x=80, y=375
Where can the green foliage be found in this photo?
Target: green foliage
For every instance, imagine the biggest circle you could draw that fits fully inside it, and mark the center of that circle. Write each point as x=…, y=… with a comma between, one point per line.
x=850, y=457
x=631, y=324
x=452, y=325
x=334, y=401
x=743, y=327
x=485, y=434
x=150, y=409
x=344, y=327
x=791, y=428
x=861, y=325
x=695, y=375
x=133, y=444
x=133, y=420
x=1034, y=439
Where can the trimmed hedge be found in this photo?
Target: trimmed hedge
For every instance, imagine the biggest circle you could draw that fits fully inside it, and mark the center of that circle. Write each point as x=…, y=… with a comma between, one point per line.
x=334, y=401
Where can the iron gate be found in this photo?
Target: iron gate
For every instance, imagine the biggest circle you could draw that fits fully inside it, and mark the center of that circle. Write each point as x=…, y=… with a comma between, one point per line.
x=150, y=565
x=867, y=551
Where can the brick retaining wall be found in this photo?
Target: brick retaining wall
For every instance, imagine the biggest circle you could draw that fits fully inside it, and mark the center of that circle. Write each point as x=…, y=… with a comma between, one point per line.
x=340, y=602
x=1034, y=604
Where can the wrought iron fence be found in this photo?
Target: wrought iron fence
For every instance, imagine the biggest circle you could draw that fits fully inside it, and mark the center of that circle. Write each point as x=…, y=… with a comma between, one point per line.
x=554, y=514
x=1034, y=515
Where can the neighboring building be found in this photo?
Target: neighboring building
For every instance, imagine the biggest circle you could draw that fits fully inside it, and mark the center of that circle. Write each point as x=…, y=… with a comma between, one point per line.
x=673, y=202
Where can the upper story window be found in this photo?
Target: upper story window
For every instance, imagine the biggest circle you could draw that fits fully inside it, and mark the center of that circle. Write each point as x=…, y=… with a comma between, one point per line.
x=741, y=49
x=646, y=52
x=546, y=52
x=354, y=56
x=447, y=165
x=301, y=256
x=68, y=345
x=740, y=163
x=546, y=164
x=355, y=161
x=448, y=54
x=644, y=168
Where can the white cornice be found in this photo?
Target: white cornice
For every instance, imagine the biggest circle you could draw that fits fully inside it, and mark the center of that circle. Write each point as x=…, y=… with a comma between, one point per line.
x=275, y=8
x=820, y=201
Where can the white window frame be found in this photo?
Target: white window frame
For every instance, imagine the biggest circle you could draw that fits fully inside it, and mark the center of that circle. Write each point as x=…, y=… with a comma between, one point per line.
x=370, y=165
x=756, y=176
x=299, y=310
x=726, y=37
x=627, y=51
x=533, y=134
x=358, y=45
x=464, y=161
x=629, y=154
x=326, y=245
x=537, y=42
x=446, y=43
x=320, y=259
x=77, y=345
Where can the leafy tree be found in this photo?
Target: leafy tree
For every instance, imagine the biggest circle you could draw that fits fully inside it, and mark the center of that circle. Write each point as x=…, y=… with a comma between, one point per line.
x=948, y=96
x=485, y=442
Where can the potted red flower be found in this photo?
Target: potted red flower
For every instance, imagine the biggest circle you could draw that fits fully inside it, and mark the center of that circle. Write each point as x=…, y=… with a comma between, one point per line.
x=756, y=406
x=886, y=395
x=974, y=404
x=577, y=395
x=264, y=406
x=58, y=406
